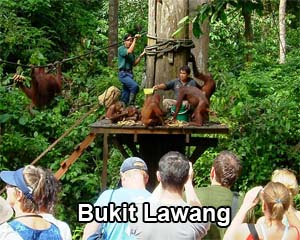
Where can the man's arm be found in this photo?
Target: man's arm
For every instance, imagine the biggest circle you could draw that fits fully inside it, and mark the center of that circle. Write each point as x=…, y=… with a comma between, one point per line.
x=138, y=59
x=161, y=86
x=132, y=46
x=93, y=226
x=191, y=196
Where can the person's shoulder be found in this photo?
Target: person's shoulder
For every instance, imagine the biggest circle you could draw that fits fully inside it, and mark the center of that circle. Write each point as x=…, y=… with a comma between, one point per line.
x=8, y=233
x=104, y=197
x=202, y=188
x=202, y=228
x=212, y=188
x=50, y=218
x=214, y=192
x=192, y=81
x=109, y=191
x=14, y=223
x=63, y=228
x=139, y=193
x=122, y=50
x=173, y=80
x=203, y=191
x=261, y=220
x=6, y=228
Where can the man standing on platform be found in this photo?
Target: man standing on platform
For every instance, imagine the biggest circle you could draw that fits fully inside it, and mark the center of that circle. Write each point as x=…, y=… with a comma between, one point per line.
x=126, y=61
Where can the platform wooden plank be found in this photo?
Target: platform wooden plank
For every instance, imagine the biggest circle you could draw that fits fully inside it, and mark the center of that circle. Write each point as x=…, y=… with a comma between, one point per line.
x=211, y=128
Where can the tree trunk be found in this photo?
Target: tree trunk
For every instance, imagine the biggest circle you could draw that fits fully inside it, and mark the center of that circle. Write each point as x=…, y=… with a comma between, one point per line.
x=201, y=44
x=248, y=33
x=267, y=10
x=282, y=31
x=164, y=16
x=112, y=31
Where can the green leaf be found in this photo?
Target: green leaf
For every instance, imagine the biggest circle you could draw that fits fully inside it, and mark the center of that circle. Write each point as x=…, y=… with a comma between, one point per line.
x=177, y=31
x=184, y=20
x=23, y=121
x=4, y=117
x=197, y=29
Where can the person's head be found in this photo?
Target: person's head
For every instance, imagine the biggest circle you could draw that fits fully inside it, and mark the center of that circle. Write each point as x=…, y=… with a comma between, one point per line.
x=287, y=178
x=184, y=73
x=128, y=39
x=226, y=169
x=276, y=200
x=173, y=170
x=25, y=187
x=6, y=211
x=50, y=196
x=134, y=173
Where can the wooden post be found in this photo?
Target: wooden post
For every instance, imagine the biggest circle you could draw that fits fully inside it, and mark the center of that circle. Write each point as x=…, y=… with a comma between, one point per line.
x=105, y=159
x=150, y=72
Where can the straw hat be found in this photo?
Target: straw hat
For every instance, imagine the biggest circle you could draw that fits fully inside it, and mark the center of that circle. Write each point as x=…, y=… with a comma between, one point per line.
x=6, y=211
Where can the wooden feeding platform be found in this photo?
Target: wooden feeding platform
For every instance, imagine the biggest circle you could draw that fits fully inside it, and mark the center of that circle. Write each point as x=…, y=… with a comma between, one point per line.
x=151, y=143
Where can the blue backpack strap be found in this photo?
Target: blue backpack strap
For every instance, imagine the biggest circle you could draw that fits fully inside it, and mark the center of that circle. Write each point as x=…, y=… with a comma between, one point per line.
x=100, y=233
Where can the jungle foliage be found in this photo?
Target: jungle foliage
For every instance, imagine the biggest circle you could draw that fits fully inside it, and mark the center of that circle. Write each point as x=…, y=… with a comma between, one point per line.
x=258, y=100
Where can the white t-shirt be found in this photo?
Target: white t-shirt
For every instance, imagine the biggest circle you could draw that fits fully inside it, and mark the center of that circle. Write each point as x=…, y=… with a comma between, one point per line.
x=166, y=230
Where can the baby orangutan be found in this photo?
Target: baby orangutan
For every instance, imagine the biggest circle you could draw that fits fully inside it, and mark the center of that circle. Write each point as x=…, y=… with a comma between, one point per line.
x=117, y=112
x=151, y=112
x=198, y=102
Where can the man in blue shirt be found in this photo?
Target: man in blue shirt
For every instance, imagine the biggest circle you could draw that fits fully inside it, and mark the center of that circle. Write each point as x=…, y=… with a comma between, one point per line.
x=134, y=178
x=126, y=61
x=184, y=79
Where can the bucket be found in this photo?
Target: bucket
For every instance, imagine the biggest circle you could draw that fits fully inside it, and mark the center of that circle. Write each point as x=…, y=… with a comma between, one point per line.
x=182, y=114
x=148, y=91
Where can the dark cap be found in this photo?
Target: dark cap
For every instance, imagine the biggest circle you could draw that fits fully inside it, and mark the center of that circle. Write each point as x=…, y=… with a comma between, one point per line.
x=133, y=163
x=127, y=36
x=16, y=179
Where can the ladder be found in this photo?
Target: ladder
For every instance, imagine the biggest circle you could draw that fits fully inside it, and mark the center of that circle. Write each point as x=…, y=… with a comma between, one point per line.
x=65, y=165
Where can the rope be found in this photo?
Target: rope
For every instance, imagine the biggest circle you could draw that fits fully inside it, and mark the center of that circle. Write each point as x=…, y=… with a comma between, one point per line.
x=167, y=45
x=79, y=120
x=66, y=59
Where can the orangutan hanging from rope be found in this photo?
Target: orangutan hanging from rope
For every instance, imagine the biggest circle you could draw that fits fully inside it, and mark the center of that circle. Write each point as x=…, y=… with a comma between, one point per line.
x=43, y=86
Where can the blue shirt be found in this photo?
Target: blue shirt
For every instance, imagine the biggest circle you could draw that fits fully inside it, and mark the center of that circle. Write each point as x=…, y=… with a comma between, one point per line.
x=27, y=233
x=176, y=84
x=116, y=230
